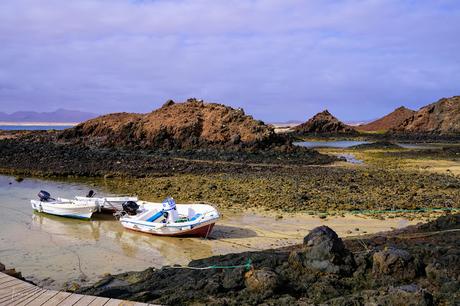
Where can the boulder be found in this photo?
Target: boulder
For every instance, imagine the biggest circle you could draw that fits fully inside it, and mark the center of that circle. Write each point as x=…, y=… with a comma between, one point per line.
x=397, y=263
x=261, y=280
x=323, y=251
x=408, y=295
x=13, y=273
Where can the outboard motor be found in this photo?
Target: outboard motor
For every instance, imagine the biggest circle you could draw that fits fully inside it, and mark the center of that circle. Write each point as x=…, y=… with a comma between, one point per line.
x=169, y=207
x=130, y=207
x=44, y=196
x=90, y=194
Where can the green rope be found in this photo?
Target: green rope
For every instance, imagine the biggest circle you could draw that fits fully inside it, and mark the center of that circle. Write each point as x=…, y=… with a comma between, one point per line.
x=247, y=265
x=372, y=211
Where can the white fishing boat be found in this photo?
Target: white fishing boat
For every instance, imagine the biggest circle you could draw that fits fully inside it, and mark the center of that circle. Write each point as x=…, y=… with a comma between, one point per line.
x=111, y=204
x=63, y=207
x=169, y=219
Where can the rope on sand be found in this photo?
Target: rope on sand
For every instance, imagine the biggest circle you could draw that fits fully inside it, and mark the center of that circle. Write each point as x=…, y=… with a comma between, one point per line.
x=247, y=266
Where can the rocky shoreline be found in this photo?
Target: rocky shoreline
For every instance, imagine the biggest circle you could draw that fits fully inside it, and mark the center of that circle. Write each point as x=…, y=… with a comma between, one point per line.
x=419, y=265
x=42, y=155
x=291, y=181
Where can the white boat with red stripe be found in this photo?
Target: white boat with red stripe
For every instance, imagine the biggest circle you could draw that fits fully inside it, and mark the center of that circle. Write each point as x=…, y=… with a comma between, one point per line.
x=169, y=219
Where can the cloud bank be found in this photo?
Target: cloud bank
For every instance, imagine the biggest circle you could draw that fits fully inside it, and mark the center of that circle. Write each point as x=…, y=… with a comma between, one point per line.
x=278, y=60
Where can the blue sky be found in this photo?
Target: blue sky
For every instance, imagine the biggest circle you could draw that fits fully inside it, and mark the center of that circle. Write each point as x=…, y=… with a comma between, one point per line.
x=279, y=60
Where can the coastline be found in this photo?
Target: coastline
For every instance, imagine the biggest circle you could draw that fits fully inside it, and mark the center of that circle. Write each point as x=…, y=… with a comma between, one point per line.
x=303, y=184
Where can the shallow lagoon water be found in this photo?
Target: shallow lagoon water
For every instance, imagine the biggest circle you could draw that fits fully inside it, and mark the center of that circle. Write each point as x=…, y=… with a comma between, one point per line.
x=53, y=251
x=343, y=144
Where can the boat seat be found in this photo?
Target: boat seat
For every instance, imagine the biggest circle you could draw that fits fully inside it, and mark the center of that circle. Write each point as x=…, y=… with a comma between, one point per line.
x=155, y=216
x=195, y=217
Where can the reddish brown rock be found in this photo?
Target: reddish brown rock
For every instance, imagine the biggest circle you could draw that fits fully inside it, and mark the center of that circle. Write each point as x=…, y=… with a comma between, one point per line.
x=190, y=125
x=392, y=120
x=324, y=123
x=442, y=118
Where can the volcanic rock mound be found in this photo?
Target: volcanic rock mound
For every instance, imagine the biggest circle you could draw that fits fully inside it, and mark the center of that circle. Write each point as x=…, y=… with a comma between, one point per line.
x=392, y=120
x=190, y=125
x=323, y=251
x=442, y=117
x=324, y=123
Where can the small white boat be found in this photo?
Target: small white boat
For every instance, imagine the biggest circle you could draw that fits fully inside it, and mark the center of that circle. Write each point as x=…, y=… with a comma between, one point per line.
x=111, y=204
x=169, y=219
x=63, y=207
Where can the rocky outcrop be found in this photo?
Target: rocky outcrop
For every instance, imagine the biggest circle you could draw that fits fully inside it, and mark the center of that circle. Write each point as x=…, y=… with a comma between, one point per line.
x=392, y=120
x=323, y=251
x=261, y=280
x=440, y=118
x=396, y=263
x=384, y=272
x=407, y=295
x=323, y=123
x=190, y=125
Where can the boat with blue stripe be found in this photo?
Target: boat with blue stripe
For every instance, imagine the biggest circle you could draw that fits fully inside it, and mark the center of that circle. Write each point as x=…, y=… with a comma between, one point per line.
x=169, y=219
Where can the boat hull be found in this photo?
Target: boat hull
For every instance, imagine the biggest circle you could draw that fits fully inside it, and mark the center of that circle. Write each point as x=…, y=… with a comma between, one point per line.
x=202, y=230
x=182, y=220
x=64, y=210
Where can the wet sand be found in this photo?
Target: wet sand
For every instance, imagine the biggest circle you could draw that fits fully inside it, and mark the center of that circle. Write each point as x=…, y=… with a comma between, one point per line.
x=53, y=251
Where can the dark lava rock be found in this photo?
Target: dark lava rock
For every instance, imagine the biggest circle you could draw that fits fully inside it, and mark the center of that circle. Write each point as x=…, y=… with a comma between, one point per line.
x=377, y=145
x=408, y=295
x=324, y=123
x=299, y=275
x=396, y=263
x=261, y=280
x=323, y=251
x=447, y=222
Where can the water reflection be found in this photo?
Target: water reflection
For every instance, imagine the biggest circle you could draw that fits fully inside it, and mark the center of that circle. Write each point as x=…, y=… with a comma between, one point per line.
x=105, y=231
x=61, y=249
x=330, y=144
x=67, y=228
x=44, y=246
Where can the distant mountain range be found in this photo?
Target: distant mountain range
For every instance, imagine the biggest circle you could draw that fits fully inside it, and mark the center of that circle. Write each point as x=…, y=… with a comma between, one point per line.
x=59, y=115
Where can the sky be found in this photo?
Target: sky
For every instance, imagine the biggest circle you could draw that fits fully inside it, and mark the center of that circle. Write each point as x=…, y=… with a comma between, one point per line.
x=278, y=59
